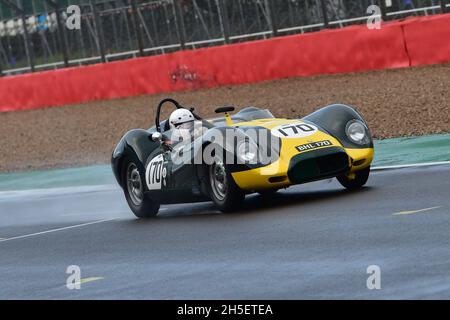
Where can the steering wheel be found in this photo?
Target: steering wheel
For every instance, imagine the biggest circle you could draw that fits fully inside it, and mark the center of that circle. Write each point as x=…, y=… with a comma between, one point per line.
x=176, y=104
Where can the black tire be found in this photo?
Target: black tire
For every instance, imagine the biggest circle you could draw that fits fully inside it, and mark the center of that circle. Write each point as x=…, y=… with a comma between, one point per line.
x=360, y=179
x=230, y=197
x=267, y=193
x=133, y=182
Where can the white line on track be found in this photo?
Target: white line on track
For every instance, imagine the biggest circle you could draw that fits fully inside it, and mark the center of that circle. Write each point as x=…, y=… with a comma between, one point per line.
x=8, y=195
x=415, y=211
x=425, y=164
x=13, y=194
x=57, y=229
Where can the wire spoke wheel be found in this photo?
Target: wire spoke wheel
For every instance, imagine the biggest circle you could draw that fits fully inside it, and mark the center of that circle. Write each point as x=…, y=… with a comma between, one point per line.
x=218, y=179
x=222, y=188
x=134, y=185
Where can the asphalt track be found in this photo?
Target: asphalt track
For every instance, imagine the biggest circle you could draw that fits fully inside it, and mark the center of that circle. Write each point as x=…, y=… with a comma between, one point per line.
x=309, y=241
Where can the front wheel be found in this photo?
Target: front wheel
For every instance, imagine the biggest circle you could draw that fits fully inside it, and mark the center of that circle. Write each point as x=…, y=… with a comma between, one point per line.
x=222, y=189
x=359, y=180
x=138, y=201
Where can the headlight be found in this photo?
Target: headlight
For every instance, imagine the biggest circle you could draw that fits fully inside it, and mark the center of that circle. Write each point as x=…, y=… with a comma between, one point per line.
x=357, y=132
x=247, y=151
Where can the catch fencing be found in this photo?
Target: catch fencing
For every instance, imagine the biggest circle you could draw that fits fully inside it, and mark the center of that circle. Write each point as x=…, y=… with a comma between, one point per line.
x=120, y=29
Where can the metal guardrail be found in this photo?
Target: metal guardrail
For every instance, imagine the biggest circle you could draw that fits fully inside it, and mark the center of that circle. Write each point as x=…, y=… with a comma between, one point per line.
x=95, y=21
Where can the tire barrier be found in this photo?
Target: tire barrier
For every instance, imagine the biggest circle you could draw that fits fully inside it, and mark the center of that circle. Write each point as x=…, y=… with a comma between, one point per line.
x=412, y=42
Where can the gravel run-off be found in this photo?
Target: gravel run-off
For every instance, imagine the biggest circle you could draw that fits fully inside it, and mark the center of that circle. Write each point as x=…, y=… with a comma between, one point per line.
x=399, y=102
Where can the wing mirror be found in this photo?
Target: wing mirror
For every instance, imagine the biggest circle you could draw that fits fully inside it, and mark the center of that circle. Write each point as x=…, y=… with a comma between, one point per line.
x=165, y=142
x=226, y=111
x=157, y=136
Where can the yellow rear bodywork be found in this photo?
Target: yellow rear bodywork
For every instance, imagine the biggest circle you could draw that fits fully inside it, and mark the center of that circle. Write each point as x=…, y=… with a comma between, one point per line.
x=275, y=175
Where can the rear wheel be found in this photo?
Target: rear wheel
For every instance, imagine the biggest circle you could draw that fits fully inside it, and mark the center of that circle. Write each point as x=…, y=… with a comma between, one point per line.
x=359, y=180
x=222, y=189
x=133, y=187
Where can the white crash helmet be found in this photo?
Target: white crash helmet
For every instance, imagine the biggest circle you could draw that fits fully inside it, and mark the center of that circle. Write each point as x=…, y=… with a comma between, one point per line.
x=180, y=117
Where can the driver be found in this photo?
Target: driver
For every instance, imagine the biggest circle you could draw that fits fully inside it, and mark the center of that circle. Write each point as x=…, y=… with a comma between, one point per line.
x=182, y=125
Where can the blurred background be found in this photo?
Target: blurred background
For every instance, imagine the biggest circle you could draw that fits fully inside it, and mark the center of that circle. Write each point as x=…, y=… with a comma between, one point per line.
x=121, y=29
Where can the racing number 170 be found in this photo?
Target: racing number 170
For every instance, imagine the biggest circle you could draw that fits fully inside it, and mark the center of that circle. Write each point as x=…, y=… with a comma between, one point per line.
x=295, y=128
x=155, y=172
